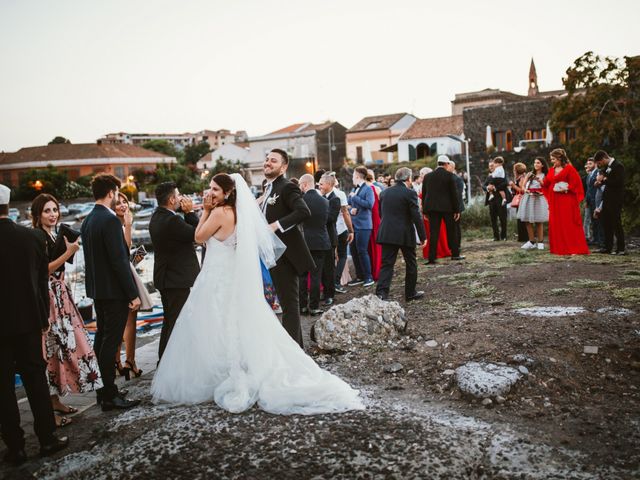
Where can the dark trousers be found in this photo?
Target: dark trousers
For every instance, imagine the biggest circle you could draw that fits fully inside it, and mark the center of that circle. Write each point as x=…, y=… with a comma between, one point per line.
x=360, y=254
x=173, y=299
x=329, y=274
x=111, y=318
x=612, y=224
x=389, y=255
x=498, y=212
x=285, y=279
x=598, y=232
x=341, y=250
x=310, y=298
x=458, y=229
x=23, y=354
x=435, y=220
x=523, y=236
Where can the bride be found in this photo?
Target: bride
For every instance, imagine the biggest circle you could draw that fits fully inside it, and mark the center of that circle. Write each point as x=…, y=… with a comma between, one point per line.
x=227, y=344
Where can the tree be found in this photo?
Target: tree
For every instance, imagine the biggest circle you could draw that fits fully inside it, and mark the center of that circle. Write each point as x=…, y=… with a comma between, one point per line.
x=226, y=166
x=45, y=180
x=603, y=105
x=59, y=140
x=193, y=153
x=163, y=146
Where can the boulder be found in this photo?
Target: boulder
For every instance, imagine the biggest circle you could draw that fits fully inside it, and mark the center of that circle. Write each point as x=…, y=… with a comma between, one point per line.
x=485, y=380
x=361, y=321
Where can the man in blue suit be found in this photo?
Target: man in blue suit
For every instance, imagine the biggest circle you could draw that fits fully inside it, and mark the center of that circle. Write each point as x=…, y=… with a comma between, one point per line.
x=361, y=201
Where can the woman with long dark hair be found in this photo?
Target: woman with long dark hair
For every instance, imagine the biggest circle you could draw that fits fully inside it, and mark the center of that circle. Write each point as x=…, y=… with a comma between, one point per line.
x=72, y=366
x=563, y=189
x=534, y=209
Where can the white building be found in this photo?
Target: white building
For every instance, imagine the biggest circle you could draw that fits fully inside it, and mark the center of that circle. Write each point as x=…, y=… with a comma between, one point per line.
x=429, y=137
x=229, y=152
x=368, y=139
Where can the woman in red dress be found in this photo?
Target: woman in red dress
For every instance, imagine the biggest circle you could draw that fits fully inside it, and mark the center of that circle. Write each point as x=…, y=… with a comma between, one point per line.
x=375, y=249
x=563, y=189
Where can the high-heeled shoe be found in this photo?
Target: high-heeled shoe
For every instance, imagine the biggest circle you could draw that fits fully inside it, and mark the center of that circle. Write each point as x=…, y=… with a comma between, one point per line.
x=132, y=367
x=123, y=371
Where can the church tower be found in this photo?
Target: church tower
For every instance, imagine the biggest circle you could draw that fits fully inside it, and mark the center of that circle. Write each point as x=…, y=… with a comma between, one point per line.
x=533, y=80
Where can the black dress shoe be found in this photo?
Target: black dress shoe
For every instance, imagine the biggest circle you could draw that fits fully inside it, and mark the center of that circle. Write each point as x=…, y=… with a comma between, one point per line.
x=315, y=312
x=459, y=257
x=328, y=302
x=118, y=403
x=15, y=457
x=604, y=250
x=415, y=296
x=430, y=262
x=54, y=446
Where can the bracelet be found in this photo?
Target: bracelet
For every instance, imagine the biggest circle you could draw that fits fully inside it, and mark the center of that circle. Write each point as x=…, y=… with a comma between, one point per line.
x=350, y=231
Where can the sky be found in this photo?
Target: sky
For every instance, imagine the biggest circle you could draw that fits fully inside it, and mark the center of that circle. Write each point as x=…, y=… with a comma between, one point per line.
x=81, y=69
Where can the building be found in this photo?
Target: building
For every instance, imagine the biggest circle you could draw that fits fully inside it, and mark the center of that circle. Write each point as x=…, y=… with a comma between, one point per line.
x=429, y=137
x=368, y=138
x=81, y=159
x=230, y=152
x=215, y=138
x=310, y=147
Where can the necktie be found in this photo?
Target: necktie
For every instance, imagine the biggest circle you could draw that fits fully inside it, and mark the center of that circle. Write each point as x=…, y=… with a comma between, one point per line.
x=267, y=192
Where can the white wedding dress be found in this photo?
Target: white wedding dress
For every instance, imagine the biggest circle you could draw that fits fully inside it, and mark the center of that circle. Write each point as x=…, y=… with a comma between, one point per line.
x=228, y=345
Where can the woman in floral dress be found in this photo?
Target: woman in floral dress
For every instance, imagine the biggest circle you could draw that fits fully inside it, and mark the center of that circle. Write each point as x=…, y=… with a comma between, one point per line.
x=72, y=366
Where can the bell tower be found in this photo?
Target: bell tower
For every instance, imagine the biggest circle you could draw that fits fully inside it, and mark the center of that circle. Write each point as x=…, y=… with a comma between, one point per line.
x=533, y=80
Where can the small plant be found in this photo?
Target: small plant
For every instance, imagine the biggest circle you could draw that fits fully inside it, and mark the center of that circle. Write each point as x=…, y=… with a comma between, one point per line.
x=478, y=289
x=560, y=291
x=587, y=283
x=628, y=296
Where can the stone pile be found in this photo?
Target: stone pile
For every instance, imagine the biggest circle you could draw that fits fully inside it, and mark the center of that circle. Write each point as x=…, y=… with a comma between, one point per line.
x=359, y=322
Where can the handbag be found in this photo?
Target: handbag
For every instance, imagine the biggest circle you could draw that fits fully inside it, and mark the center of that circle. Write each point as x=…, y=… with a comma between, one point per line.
x=515, y=201
x=64, y=231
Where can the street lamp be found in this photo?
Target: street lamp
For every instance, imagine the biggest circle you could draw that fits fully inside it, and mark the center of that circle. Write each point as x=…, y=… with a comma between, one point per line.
x=332, y=147
x=466, y=149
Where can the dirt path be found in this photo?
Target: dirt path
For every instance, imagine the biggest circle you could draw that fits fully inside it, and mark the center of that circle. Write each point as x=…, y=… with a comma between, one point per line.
x=574, y=415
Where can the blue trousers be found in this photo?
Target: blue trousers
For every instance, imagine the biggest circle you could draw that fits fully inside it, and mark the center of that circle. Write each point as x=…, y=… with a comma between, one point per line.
x=360, y=253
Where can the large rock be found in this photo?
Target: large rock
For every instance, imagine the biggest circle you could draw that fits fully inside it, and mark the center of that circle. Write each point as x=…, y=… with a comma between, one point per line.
x=361, y=321
x=485, y=380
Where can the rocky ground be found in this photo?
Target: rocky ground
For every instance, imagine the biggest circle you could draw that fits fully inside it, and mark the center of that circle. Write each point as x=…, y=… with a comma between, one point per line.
x=574, y=412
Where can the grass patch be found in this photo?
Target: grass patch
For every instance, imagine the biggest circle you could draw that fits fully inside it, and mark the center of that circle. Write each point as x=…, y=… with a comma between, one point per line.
x=521, y=257
x=588, y=283
x=478, y=290
x=631, y=275
x=560, y=291
x=464, y=277
x=628, y=296
x=517, y=305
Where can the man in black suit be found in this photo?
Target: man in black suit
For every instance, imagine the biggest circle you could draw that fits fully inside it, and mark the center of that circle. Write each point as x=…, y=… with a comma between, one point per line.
x=24, y=299
x=440, y=202
x=175, y=264
x=327, y=184
x=284, y=209
x=109, y=281
x=400, y=220
x=612, y=178
x=451, y=167
x=317, y=239
x=497, y=211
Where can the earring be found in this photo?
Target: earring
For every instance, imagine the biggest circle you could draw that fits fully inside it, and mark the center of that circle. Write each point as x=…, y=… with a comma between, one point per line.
x=226, y=197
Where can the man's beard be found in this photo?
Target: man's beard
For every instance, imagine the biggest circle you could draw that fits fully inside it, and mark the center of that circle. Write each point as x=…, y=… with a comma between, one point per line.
x=271, y=175
x=113, y=203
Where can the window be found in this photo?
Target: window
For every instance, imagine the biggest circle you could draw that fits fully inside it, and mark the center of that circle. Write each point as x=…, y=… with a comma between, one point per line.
x=503, y=141
x=359, y=157
x=508, y=141
x=527, y=135
x=119, y=172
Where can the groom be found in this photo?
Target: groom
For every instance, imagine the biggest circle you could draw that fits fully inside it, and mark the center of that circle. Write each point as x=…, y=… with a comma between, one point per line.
x=284, y=208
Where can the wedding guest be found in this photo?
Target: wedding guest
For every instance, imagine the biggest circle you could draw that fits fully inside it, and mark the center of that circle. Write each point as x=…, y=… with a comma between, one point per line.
x=401, y=219
x=442, y=247
x=362, y=200
x=611, y=177
x=109, y=282
x=593, y=191
x=498, y=179
x=175, y=264
x=126, y=218
x=283, y=207
x=374, y=249
x=587, y=215
x=326, y=185
x=562, y=187
x=497, y=211
x=24, y=296
x=519, y=172
x=451, y=167
x=72, y=366
x=344, y=228
x=317, y=239
x=440, y=202
x=533, y=211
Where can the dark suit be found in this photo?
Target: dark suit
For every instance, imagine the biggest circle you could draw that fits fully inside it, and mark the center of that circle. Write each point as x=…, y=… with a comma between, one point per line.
x=597, y=231
x=612, y=202
x=440, y=201
x=286, y=206
x=497, y=211
x=317, y=239
x=329, y=267
x=109, y=281
x=175, y=264
x=400, y=219
x=24, y=299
